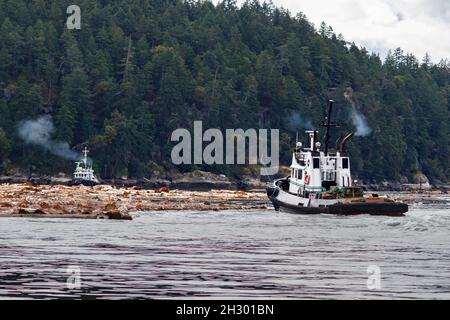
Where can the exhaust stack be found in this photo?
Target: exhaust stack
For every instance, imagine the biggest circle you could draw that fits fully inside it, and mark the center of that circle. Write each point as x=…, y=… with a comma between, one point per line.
x=340, y=143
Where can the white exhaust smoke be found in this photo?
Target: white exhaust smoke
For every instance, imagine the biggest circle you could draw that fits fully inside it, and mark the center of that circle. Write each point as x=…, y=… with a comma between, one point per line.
x=360, y=122
x=39, y=132
x=358, y=119
x=296, y=120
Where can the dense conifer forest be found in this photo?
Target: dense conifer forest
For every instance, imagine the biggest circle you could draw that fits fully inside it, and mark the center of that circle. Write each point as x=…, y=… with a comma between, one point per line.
x=137, y=70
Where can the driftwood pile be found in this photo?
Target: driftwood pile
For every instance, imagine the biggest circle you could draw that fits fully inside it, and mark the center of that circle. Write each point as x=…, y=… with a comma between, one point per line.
x=108, y=202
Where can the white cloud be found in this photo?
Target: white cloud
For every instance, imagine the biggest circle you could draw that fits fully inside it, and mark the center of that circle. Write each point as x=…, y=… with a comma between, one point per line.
x=417, y=26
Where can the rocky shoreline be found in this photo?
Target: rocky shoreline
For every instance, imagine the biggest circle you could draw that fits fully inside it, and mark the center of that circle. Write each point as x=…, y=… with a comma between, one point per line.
x=195, y=181
x=204, y=181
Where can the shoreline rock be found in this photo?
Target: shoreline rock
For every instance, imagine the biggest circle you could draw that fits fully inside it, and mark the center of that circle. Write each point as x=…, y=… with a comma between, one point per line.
x=204, y=181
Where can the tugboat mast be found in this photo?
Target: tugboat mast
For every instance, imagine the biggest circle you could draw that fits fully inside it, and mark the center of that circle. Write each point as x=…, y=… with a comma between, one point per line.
x=85, y=152
x=328, y=124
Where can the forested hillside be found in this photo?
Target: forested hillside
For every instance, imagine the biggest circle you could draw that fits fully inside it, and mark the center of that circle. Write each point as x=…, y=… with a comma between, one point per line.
x=139, y=69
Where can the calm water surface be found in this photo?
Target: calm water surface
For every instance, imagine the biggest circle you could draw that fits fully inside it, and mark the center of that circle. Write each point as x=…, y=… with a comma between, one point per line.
x=254, y=254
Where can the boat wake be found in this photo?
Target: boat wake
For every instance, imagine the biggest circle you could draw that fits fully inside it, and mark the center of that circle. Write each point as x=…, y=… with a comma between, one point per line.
x=422, y=219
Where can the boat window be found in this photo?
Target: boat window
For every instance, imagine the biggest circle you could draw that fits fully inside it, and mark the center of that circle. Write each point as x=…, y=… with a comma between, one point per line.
x=345, y=163
x=300, y=174
x=329, y=176
x=316, y=163
x=334, y=162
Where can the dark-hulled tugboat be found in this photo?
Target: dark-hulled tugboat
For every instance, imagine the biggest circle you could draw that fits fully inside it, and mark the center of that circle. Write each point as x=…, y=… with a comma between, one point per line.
x=320, y=182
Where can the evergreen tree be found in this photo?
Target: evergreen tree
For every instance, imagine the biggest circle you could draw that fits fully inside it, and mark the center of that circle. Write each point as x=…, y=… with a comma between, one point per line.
x=137, y=70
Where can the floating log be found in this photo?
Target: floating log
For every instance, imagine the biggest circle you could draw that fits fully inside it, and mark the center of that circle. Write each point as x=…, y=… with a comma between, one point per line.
x=107, y=202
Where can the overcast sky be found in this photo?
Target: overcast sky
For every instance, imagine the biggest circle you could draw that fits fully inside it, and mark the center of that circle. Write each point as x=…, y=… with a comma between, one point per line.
x=417, y=26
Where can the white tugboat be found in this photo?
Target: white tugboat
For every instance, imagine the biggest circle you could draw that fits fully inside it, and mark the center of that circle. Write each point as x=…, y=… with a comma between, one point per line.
x=320, y=182
x=84, y=174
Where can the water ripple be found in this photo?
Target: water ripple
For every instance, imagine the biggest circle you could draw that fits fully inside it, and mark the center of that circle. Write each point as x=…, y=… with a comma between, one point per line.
x=228, y=255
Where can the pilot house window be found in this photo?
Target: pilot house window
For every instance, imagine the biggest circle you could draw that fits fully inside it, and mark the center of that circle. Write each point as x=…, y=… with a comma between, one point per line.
x=297, y=174
x=316, y=163
x=345, y=163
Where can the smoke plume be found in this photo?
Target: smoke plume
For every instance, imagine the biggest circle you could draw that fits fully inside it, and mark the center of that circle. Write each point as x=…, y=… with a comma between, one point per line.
x=358, y=119
x=360, y=122
x=295, y=120
x=39, y=132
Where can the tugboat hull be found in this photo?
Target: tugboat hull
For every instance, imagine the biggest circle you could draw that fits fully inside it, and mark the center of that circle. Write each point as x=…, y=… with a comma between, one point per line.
x=394, y=209
x=79, y=182
x=286, y=202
